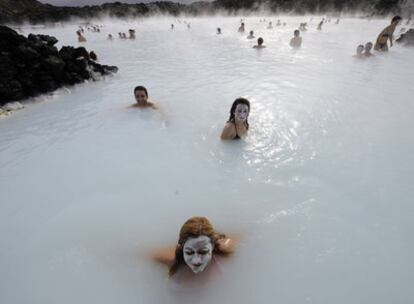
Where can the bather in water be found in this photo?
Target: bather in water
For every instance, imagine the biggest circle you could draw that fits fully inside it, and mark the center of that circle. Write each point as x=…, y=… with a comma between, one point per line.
x=241, y=28
x=386, y=34
x=259, y=44
x=198, y=250
x=368, y=48
x=237, y=125
x=296, y=41
x=251, y=35
x=141, y=97
x=81, y=38
x=359, y=50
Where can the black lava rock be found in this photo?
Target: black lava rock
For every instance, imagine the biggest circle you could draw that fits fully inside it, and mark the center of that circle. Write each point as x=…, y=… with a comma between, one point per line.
x=407, y=38
x=33, y=65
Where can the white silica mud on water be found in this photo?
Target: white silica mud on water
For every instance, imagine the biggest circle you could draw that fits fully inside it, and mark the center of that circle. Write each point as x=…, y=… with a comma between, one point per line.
x=320, y=192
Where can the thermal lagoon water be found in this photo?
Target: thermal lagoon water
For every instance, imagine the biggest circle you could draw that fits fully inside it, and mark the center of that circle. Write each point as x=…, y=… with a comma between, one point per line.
x=319, y=193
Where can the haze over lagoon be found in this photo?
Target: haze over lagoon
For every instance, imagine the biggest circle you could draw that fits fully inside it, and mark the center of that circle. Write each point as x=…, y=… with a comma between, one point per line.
x=98, y=2
x=320, y=192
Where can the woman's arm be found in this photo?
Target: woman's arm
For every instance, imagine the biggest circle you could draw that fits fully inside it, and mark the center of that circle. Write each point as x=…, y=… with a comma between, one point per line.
x=165, y=256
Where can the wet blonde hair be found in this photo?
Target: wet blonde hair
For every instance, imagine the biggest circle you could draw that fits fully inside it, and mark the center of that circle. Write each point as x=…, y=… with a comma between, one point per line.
x=193, y=228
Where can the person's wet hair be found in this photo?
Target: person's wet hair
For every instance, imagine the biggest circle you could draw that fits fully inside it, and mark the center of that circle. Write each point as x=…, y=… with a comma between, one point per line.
x=141, y=88
x=360, y=49
x=296, y=32
x=396, y=18
x=260, y=41
x=238, y=101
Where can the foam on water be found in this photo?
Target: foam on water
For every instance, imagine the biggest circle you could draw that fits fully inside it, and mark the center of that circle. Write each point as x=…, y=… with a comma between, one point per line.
x=320, y=192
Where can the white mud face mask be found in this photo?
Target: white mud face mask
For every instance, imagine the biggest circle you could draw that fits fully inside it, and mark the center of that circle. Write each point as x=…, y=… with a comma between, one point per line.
x=241, y=113
x=198, y=253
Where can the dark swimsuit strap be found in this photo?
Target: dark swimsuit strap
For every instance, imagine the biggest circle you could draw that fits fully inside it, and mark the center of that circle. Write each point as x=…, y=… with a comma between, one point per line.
x=237, y=134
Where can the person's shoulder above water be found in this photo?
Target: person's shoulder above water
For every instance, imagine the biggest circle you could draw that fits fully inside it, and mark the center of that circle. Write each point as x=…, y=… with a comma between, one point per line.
x=197, y=247
x=259, y=44
x=144, y=106
x=237, y=125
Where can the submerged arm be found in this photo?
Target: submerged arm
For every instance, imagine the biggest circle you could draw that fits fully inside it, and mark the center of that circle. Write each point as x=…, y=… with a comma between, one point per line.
x=165, y=256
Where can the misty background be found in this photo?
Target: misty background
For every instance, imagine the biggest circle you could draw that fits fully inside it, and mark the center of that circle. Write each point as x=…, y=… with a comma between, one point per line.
x=97, y=2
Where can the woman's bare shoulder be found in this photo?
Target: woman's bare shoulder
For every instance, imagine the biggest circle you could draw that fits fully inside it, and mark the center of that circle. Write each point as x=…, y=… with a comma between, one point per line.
x=227, y=244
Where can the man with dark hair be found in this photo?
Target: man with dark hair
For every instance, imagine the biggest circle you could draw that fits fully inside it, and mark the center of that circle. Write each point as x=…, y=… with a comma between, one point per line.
x=141, y=96
x=259, y=44
x=386, y=34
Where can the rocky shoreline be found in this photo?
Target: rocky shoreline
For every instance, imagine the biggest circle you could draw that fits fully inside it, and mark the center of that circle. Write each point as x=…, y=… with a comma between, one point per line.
x=32, y=66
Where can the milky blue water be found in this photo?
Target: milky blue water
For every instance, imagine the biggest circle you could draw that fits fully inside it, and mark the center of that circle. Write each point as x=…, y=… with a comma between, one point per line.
x=319, y=193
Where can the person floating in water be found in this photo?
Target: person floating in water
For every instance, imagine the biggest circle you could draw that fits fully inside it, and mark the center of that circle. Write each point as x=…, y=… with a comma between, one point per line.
x=241, y=28
x=172, y=26
x=141, y=97
x=251, y=35
x=278, y=23
x=198, y=250
x=110, y=37
x=270, y=26
x=131, y=34
x=81, y=38
x=218, y=31
x=386, y=34
x=359, y=50
x=368, y=47
x=296, y=41
x=259, y=44
x=237, y=125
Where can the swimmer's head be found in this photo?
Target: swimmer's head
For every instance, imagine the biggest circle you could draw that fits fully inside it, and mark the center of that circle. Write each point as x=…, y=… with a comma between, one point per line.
x=260, y=41
x=368, y=47
x=395, y=20
x=360, y=49
x=296, y=33
x=141, y=94
x=218, y=30
x=196, y=245
x=239, y=111
x=242, y=24
x=251, y=33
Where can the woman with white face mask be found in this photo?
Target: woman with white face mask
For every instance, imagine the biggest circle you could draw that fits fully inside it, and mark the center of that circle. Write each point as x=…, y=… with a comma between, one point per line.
x=237, y=125
x=197, y=249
